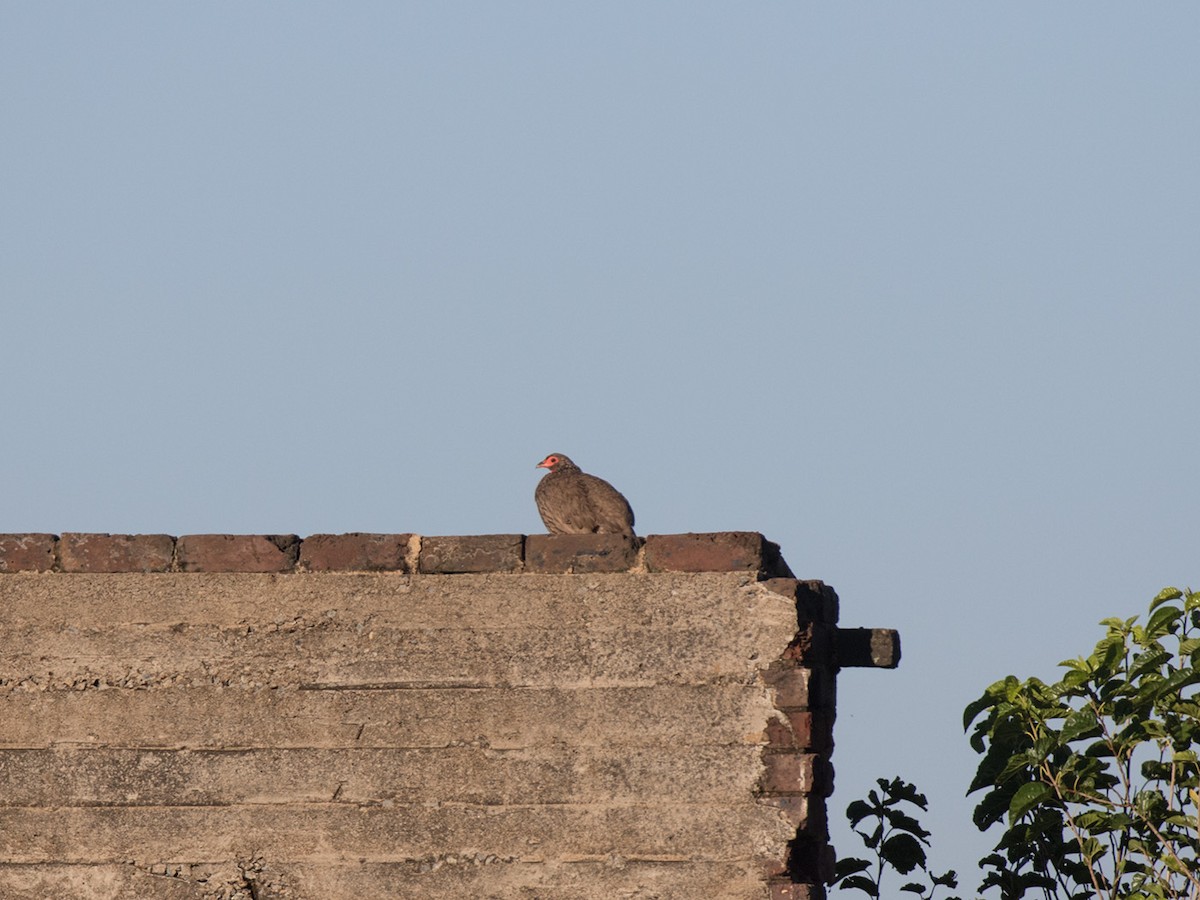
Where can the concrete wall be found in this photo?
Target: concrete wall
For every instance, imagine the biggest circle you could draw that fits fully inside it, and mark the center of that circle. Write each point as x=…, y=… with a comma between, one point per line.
x=371, y=716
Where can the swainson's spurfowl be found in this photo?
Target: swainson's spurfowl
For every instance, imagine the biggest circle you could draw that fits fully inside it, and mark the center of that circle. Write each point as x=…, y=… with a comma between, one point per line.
x=572, y=502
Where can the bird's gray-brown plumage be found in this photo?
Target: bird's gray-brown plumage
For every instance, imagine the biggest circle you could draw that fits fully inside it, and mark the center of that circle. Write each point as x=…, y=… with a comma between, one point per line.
x=572, y=502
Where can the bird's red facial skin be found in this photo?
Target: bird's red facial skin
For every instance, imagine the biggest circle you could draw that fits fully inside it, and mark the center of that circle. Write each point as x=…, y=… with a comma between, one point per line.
x=548, y=463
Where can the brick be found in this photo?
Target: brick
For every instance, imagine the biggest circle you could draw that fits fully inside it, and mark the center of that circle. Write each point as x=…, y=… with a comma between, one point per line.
x=459, y=554
x=797, y=773
x=773, y=868
x=815, y=600
x=82, y=552
x=801, y=729
x=791, y=730
x=27, y=552
x=788, y=773
x=800, y=686
x=355, y=552
x=813, y=646
x=791, y=684
x=237, y=552
x=556, y=553
x=722, y=551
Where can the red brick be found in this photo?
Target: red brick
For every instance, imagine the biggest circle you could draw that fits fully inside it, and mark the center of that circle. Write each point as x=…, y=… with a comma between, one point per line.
x=458, y=554
x=553, y=553
x=813, y=646
x=773, y=868
x=26, y=552
x=355, y=552
x=237, y=552
x=792, y=684
x=791, y=730
x=797, y=773
x=722, y=551
x=82, y=552
x=788, y=773
x=802, y=687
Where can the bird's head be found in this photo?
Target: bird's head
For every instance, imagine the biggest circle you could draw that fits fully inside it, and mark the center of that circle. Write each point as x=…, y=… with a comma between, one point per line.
x=557, y=462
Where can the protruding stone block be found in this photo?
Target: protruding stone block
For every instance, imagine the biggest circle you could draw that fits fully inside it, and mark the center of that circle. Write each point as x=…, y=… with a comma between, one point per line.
x=868, y=648
x=579, y=553
x=722, y=551
x=26, y=552
x=461, y=554
x=237, y=552
x=81, y=552
x=355, y=552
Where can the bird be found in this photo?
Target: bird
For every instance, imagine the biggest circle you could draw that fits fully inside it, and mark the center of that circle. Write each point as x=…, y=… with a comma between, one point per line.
x=572, y=502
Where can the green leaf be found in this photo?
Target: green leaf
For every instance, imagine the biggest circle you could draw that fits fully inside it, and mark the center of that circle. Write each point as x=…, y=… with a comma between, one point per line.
x=1151, y=660
x=1074, y=680
x=1165, y=595
x=971, y=713
x=1080, y=724
x=1109, y=651
x=1026, y=798
x=1091, y=849
x=1178, y=680
x=1162, y=620
x=1176, y=866
x=1189, y=646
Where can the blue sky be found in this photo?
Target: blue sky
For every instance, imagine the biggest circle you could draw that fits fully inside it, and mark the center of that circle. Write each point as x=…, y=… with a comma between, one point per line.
x=913, y=289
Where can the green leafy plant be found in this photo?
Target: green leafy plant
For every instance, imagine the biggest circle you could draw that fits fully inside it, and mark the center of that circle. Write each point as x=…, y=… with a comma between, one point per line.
x=896, y=839
x=1097, y=775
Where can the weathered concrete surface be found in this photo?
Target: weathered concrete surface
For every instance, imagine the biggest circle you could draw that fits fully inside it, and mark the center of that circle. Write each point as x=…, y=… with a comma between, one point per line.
x=449, y=876
x=332, y=734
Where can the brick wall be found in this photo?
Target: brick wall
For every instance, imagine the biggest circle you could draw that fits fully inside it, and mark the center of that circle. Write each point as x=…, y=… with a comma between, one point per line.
x=379, y=715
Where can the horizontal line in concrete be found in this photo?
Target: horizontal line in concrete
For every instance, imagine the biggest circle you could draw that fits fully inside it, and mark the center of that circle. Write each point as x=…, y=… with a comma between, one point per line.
x=316, y=833
x=447, y=776
x=447, y=875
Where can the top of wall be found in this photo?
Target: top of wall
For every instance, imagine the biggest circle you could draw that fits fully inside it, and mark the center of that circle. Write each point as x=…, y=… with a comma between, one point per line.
x=724, y=551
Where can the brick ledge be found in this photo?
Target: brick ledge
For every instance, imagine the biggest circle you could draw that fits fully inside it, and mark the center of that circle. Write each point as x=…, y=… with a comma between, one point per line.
x=80, y=552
